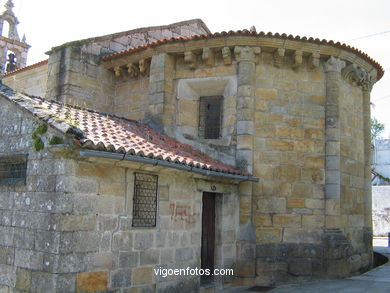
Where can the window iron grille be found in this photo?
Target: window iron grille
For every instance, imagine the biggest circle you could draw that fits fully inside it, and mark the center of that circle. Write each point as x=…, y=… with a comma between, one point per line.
x=13, y=169
x=145, y=200
x=210, y=117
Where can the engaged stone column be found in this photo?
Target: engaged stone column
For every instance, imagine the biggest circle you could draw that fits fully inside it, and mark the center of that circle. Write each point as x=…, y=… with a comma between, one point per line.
x=332, y=68
x=367, y=84
x=246, y=240
x=246, y=58
x=161, y=106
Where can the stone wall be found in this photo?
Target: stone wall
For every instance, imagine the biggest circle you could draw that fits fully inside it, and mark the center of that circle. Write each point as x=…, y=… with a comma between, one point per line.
x=131, y=98
x=74, y=74
x=69, y=228
x=299, y=126
x=31, y=81
x=381, y=210
x=381, y=160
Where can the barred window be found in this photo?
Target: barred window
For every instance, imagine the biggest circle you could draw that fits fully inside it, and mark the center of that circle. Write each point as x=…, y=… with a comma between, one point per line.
x=210, y=117
x=145, y=200
x=13, y=169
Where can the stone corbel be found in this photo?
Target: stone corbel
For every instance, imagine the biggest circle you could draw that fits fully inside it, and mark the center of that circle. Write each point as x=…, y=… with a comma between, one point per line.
x=279, y=57
x=314, y=60
x=208, y=56
x=334, y=64
x=247, y=53
x=133, y=70
x=354, y=74
x=367, y=82
x=190, y=59
x=117, y=71
x=226, y=55
x=297, y=59
x=143, y=66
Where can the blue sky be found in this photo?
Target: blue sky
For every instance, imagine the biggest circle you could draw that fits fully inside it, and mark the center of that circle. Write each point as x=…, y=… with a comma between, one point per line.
x=49, y=23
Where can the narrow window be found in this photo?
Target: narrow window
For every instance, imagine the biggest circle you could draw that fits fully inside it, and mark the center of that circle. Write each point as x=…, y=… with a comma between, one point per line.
x=145, y=200
x=13, y=169
x=210, y=117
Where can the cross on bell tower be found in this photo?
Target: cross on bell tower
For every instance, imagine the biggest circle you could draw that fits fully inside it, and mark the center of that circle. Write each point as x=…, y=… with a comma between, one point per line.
x=13, y=51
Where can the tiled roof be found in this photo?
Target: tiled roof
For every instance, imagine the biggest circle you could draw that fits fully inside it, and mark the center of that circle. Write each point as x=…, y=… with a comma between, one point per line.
x=104, y=132
x=25, y=68
x=252, y=33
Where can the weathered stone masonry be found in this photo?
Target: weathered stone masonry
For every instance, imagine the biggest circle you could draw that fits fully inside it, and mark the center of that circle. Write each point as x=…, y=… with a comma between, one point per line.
x=295, y=114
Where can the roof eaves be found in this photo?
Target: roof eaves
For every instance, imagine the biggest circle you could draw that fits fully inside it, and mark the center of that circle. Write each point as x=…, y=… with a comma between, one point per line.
x=156, y=162
x=317, y=41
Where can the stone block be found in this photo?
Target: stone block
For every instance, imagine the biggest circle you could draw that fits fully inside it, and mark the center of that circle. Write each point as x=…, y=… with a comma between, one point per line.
x=69, y=222
x=7, y=255
x=262, y=220
x=184, y=254
x=43, y=282
x=8, y=275
x=29, y=259
x=245, y=268
x=268, y=235
x=163, y=192
x=313, y=175
x=122, y=240
x=299, y=235
x=286, y=220
x=263, y=268
x=66, y=283
x=312, y=203
x=150, y=257
x=279, y=145
x=300, y=268
x=107, y=223
x=271, y=204
x=23, y=279
x=92, y=281
x=23, y=238
x=120, y=278
x=167, y=255
x=266, y=93
x=143, y=275
x=47, y=241
x=86, y=241
x=143, y=240
x=313, y=221
x=295, y=202
x=288, y=173
x=129, y=259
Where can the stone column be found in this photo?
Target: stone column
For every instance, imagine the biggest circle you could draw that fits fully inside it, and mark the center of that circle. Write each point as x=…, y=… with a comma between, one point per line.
x=161, y=105
x=246, y=240
x=367, y=84
x=332, y=67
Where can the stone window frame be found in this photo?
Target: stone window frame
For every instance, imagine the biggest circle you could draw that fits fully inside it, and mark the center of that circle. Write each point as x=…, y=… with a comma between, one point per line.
x=138, y=221
x=14, y=169
x=206, y=128
x=193, y=89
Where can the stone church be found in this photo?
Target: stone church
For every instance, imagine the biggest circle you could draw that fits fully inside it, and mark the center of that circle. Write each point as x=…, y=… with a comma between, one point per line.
x=173, y=148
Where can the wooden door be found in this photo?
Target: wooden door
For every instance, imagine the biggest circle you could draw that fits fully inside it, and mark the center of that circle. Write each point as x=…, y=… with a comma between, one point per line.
x=208, y=234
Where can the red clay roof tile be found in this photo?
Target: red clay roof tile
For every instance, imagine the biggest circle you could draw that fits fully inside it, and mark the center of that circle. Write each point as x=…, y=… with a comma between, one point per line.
x=101, y=131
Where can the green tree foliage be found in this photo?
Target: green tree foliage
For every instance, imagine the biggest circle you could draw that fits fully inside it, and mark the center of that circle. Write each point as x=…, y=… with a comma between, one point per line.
x=376, y=129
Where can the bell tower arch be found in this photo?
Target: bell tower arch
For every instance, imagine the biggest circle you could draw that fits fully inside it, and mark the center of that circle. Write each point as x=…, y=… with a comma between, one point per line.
x=13, y=51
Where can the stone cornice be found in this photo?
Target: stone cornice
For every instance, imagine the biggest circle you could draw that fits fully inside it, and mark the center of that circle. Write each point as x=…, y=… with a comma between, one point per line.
x=315, y=50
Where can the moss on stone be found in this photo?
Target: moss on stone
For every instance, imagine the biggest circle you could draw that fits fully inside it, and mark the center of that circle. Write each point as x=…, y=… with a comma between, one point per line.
x=56, y=140
x=41, y=129
x=38, y=144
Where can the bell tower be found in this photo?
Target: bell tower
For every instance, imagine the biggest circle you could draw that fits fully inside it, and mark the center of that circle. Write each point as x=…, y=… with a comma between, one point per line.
x=13, y=51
